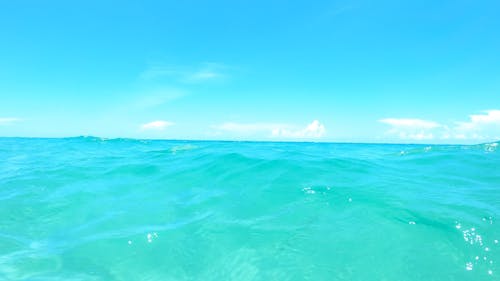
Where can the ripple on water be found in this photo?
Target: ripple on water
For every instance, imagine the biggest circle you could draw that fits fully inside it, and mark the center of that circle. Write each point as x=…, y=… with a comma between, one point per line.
x=93, y=209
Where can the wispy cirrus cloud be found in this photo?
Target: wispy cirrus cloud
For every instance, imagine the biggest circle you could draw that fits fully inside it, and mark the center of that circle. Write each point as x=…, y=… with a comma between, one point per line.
x=273, y=130
x=157, y=125
x=157, y=97
x=8, y=120
x=161, y=84
x=202, y=73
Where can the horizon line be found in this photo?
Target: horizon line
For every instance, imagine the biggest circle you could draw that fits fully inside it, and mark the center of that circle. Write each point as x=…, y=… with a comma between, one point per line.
x=252, y=141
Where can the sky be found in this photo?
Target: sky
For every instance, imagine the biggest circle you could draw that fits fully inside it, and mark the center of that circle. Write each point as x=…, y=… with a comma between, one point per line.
x=333, y=71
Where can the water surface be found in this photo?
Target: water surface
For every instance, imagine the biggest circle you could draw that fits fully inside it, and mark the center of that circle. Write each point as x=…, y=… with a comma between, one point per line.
x=97, y=209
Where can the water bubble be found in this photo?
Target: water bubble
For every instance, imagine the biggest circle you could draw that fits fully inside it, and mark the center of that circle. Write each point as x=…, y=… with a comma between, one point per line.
x=487, y=249
x=468, y=266
x=150, y=237
x=308, y=190
x=489, y=219
x=129, y=242
x=479, y=239
x=471, y=237
x=490, y=272
x=350, y=199
x=496, y=241
x=477, y=257
x=458, y=226
x=411, y=222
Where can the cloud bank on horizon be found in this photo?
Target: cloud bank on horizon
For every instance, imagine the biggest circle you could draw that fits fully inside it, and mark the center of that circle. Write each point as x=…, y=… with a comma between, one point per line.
x=479, y=127
x=482, y=127
x=314, y=130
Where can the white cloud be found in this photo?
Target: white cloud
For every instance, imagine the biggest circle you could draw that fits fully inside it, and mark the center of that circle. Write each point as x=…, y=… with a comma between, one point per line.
x=411, y=128
x=314, y=130
x=8, y=120
x=157, y=125
x=478, y=121
x=276, y=130
x=491, y=116
x=479, y=127
x=410, y=123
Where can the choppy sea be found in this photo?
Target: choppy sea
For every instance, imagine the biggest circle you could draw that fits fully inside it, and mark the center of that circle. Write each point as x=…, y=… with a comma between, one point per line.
x=120, y=209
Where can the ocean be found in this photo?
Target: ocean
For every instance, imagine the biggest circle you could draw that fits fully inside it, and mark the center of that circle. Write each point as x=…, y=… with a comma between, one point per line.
x=120, y=209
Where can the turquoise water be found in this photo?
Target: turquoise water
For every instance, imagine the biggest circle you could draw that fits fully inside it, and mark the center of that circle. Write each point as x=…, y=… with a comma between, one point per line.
x=96, y=209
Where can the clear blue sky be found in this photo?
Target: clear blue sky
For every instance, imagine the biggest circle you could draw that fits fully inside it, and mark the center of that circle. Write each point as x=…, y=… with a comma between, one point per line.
x=369, y=71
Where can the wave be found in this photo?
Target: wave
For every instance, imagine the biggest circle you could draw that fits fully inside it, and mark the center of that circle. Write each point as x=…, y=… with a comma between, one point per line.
x=125, y=209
